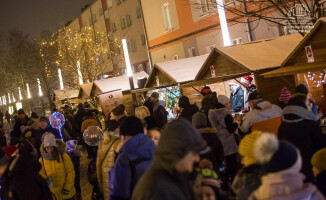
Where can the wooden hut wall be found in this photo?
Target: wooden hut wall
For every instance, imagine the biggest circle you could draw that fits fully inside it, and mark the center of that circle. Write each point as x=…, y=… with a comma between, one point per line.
x=163, y=79
x=270, y=88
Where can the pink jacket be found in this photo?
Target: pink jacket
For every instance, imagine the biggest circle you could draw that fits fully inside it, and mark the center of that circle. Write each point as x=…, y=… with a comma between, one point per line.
x=285, y=185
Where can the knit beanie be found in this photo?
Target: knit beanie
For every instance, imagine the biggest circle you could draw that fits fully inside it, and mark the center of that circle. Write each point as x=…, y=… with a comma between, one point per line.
x=206, y=90
x=71, y=144
x=44, y=119
x=131, y=126
x=155, y=95
x=9, y=150
x=49, y=140
x=246, y=146
x=223, y=99
x=301, y=90
x=285, y=96
x=318, y=160
x=209, y=176
x=199, y=120
x=3, y=157
x=183, y=101
x=21, y=111
x=275, y=155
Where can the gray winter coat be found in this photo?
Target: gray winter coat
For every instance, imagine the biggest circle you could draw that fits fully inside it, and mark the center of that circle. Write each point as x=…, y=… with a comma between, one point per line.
x=216, y=118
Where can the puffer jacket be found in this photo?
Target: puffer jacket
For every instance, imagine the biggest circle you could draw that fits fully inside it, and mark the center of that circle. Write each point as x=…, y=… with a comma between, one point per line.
x=134, y=158
x=62, y=173
x=263, y=110
x=89, y=121
x=285, y=185
x=217, y=120
x=105, y=160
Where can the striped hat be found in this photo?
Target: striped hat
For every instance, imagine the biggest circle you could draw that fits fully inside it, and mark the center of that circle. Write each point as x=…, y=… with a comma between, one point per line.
x=285, y=96
x=246, y=146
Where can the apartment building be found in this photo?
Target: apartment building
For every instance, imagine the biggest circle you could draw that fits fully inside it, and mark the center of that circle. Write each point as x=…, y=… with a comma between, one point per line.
x=184, y=28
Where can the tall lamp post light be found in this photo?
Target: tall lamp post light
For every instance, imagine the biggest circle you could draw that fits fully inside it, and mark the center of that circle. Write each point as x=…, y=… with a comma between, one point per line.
x=60, y=79
x=40, y=93
x=223, y=23
x=128, y=66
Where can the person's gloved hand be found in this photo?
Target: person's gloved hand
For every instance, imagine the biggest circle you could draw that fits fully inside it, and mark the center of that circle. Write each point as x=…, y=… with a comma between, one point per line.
x=64, y=192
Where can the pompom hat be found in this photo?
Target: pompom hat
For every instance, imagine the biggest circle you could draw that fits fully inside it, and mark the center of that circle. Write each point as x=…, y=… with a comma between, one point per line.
x=285, y=96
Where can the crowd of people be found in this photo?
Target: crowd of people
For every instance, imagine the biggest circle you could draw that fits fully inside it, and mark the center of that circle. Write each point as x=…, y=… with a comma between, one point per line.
x=208, y=153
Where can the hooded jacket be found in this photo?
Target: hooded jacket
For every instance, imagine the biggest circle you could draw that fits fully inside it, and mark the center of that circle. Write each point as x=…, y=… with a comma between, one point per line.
x=162, y=181
x=62, y=173
x=159, y=113
x=39, y=134
x=285, y=185
x=105, y=160
x=23, y=181
x=89, y=121
x=134, y=158
x=237, y=100
x=263, y=111
x=217, y=120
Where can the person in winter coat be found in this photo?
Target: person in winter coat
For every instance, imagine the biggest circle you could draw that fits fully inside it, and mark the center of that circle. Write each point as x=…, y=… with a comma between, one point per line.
x=248, y=178
x=79, y=118
x=45, y=126
x=169, y=175
x=319, y=168
x=22, y=121
x=216, y=154
x=118, y=113
x=74, y=129
x=210, y=102
x=20, y=180
x=264, y=116
x=237, y=96
x=187, y=109
x=143, y=113
x=134, y=158
x=300, y=127
x=27, y=134
x=106, y=155
x=88, y=121
x=57, y=168
x=159, y=112
x=281, y=161
x=75, y=156
x=221, y=119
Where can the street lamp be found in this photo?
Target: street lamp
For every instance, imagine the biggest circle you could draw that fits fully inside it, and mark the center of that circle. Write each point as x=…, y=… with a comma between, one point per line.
x=128, y=66
x=9, y=100
x=28, y=91
x=223, y=23
x=60, y=79
x=20, y=94
x=80, y=75
x=39, y=87
x=13, y=98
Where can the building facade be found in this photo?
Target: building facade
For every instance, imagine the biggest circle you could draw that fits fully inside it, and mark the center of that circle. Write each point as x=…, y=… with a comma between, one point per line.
x=184, y=28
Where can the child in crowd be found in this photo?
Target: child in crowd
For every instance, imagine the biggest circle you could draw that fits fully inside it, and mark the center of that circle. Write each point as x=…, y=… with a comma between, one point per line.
x=154, y=134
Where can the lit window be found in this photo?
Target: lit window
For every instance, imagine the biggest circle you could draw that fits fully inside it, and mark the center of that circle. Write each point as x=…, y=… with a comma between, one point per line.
x=166, y=17
x=123, y=23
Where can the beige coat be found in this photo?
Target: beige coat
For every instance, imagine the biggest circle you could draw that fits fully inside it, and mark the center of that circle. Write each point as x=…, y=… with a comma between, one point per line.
x=105, y=163
x=285, y=186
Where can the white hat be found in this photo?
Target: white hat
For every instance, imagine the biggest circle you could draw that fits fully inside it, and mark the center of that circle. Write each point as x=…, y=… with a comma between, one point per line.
x=223, y=99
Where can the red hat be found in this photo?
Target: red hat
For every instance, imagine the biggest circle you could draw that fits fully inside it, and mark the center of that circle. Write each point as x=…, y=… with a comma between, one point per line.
x=206, y=90
x=246, y=79
x=233, y=82
x=9, y=150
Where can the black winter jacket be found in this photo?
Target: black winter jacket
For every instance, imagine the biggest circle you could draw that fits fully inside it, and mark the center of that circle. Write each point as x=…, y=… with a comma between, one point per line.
x=321, y=182
x=160, y=114
x=304, y=133
x=21, y=181
x=189, y=111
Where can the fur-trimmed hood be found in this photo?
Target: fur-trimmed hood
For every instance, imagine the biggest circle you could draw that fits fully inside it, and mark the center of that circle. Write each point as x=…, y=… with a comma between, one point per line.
x=60, y=146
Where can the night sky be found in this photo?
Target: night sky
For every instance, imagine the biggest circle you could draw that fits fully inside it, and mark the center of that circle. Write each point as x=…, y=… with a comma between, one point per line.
x=33, y=16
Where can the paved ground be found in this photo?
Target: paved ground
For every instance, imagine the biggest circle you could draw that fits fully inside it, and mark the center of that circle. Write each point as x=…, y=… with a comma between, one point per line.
x=84, y=184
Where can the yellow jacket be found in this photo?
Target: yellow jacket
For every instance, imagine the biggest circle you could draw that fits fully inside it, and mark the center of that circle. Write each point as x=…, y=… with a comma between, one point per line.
x=105, y=163
x=62, y=173
x=89, y=121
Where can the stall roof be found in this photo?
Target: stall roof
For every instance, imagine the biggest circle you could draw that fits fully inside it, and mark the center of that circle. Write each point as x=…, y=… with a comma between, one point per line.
x=65, y=94
x=296, y=62
x=263, y=54
x=178, y=71
x=116, y=83
x=85, y=89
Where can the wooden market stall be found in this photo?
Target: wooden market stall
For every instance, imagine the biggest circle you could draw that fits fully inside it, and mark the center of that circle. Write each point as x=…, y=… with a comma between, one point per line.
x=105, y=88
x=85, y=91
x=68, y=94
x=168, y=78
x=307, y=63
x=225, y=63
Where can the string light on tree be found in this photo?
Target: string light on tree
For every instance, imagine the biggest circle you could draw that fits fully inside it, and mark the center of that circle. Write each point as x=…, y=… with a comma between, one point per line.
x=13, y=98
x=40, y=93
x=20, y=94
x=9, y=100
x=60, y=79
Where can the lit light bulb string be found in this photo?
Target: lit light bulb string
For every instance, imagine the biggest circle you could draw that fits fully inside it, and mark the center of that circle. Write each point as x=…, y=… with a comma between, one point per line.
x=317, y=80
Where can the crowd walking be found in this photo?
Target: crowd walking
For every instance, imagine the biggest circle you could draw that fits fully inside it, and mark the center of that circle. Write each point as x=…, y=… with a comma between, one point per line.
x=207, y=153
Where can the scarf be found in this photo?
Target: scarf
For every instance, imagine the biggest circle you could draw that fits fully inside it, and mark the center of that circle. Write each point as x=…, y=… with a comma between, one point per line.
x=303, y=113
